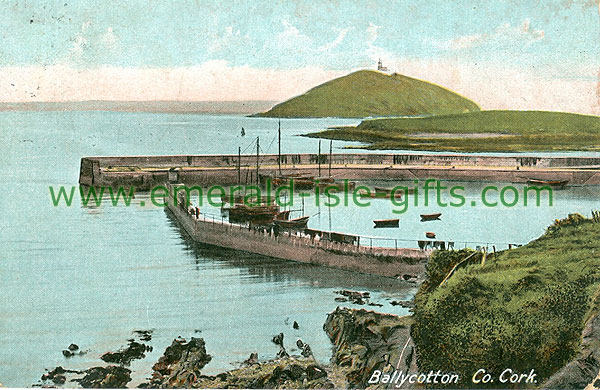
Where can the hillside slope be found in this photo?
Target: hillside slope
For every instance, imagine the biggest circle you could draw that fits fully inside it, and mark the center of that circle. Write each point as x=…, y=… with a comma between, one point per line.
x=524, y=309
x=368, y=93
x=483, y=131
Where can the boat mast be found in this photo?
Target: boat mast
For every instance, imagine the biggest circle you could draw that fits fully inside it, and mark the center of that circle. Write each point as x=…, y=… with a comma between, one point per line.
x=239, y=165
x=330, y=155
x=279, y=153
x=257, y=152
x=319, y=158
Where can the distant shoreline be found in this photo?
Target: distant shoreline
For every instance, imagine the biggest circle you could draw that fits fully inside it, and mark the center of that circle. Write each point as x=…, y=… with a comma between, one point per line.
x=199, y=107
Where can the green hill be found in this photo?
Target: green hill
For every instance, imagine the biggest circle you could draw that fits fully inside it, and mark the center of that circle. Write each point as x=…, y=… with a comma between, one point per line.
x=369, y=94
x=524, y=309
x=483, y=131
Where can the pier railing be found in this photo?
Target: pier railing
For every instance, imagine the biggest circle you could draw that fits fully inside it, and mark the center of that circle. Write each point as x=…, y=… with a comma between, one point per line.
x=370, y=245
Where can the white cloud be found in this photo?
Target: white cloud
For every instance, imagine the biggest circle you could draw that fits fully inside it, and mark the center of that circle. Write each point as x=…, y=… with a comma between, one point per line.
x=504, y=33
x=490, y=85
x=213, y=80
x=497, y=87
x=372, y=33
x=109, y=39
x=336, y=41
x=375, y=52
x=224, y=41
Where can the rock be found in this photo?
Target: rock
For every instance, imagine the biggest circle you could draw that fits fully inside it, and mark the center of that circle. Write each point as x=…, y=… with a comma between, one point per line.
x=282, y=354
x=66, y=353
x=278, y=340
x=365, y=341
x=133, y=351
x=59, y=379
x=304, y=348
x=105, y=377
x=296, y=326
x=405, y=304
x=315, y=372
x=73, y=347
x=50, y=375
x=292, y=371
x=356, y=297
x=306, y=351
x=181, y=363
x=583, y=369
x=253, y=359
x=145, y=335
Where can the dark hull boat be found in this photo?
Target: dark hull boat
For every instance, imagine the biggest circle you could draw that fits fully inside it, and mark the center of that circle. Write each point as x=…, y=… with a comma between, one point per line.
x=389, y=190
x=292, y=224
x=551, y=183
x=386, y=223
x=430, y=217
x=379, y=195
x=243, y=213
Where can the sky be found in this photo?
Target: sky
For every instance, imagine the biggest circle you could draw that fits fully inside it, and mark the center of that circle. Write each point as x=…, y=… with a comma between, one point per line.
x=511, y=54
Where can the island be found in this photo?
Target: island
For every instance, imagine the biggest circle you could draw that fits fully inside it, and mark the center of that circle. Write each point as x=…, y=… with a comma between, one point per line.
x=369, y=93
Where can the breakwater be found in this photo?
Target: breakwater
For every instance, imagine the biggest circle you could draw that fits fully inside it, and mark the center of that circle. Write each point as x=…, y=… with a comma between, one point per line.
x=143, y=172
x=389, y=262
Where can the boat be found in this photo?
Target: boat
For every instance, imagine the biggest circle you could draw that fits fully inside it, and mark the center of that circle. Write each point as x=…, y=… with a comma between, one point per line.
x=251, y=199
x=300, y=181
x=430, y=217
x=430, y=234
x=551, y=183
x=335, y=185
x=379, y=195
x=283, y=215
x=386, y=223
x=240, y=213
x=398, y=190
x=292, y=224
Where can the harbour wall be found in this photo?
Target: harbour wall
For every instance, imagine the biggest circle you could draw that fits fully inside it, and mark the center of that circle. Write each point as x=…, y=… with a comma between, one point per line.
x=146, y=171
x=389, y=262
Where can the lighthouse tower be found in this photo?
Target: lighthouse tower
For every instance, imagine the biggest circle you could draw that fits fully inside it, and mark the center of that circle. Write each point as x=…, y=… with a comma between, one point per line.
x=380, y=66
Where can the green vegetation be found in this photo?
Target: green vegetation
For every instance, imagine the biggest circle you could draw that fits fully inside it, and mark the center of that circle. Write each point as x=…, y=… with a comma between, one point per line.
x=368, y=93
x=484, y=131
x=523, y=310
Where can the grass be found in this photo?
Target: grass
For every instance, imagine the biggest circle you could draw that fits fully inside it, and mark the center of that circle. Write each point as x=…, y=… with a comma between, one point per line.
x=497, y=131
x=369, y=94
x=524, y=310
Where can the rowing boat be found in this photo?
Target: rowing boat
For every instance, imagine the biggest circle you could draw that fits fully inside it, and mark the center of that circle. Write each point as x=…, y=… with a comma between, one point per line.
x=296, y=223
x=430, y=217
x=551, y=183
x=386, y=223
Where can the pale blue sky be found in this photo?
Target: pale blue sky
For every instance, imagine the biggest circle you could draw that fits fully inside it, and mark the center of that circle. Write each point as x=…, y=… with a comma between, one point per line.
x=291, y=34
x=557, y=39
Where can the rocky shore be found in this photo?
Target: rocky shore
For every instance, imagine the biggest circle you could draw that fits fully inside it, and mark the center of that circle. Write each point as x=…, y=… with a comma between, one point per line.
x=362, y=341
x=365, y=341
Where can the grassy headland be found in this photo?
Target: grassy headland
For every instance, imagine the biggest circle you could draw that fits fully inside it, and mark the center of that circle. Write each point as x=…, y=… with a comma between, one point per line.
x=368, y=94
x=524, y=309
x=483, y=131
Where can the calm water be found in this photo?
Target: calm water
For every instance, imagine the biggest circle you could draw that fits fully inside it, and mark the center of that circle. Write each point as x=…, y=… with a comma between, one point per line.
x=92, y=275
